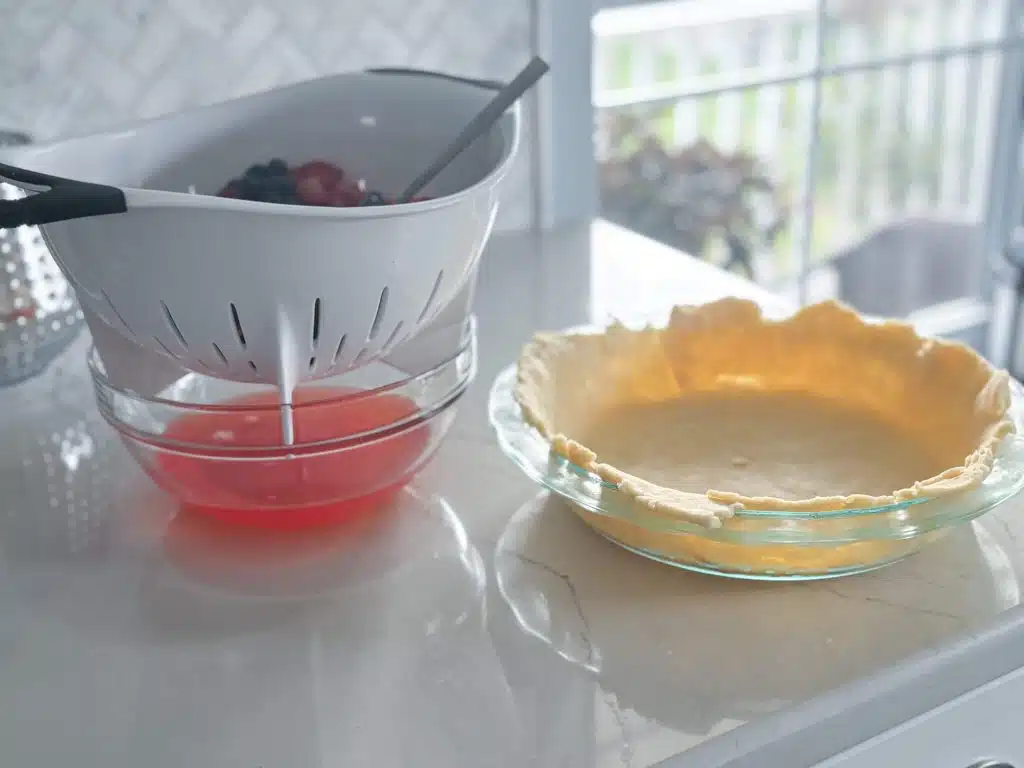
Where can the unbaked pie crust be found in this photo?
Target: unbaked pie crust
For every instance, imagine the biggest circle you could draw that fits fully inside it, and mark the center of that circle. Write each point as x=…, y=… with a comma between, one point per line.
x=723, y=410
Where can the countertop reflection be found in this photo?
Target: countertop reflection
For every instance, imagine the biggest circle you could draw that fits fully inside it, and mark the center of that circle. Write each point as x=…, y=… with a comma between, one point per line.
x=473, y=623
x=697, y=655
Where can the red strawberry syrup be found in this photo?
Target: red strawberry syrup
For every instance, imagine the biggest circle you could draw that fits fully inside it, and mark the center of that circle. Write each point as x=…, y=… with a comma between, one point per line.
x=312, y=486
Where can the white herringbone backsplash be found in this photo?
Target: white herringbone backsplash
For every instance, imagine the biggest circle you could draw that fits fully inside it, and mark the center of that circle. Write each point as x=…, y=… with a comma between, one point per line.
x=74, y=66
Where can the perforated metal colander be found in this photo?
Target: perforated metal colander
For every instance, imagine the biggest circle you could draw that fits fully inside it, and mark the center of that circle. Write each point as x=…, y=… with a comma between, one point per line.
x=39, y=315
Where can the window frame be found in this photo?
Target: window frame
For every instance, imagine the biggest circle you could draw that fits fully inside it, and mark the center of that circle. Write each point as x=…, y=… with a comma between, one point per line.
x=567, y=168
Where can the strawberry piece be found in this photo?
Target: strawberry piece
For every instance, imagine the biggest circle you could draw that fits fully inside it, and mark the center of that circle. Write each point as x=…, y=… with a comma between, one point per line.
x=317, y=181
x=329, y=174
x=311, y=191
x=339, y=198
x=347, y=194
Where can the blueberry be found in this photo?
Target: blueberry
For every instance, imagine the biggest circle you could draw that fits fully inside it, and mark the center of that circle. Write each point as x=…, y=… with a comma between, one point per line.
x=374, y=198
x=255, y=192
x=277, y=167
x=247, y=187
x=257, y=172
x=283, y=186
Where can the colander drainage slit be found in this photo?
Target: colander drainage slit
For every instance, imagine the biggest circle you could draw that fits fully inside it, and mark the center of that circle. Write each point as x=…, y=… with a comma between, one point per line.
x=221, y=355
x=359, y=357
x=431, y=297
x=239, y=333
x=393, y=336
x=118, y=314
x=165, y=348
x=339, y=349
x=382, y=306
x=312, y=362
x=173, y=325
x=316, y=323
x=252, y=365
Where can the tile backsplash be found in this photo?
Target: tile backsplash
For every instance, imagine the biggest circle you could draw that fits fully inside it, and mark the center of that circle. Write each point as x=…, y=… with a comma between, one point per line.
x=70, y=66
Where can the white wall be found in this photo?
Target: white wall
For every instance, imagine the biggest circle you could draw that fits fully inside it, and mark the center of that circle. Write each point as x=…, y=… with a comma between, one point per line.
x=73, y=66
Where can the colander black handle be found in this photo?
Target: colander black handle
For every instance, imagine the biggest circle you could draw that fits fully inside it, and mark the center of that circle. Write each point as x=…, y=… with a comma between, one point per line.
x=491, y=85
x=64, y=199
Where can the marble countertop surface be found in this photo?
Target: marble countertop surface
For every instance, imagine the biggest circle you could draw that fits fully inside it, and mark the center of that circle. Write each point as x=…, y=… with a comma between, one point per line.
x=483, y=626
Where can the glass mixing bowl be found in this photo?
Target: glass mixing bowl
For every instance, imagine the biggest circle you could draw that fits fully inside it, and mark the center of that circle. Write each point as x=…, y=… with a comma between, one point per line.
x=359, y=438
x=773, y=545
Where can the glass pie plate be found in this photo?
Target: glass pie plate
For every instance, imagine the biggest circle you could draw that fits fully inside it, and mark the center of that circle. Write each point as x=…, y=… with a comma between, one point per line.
x=764, y=545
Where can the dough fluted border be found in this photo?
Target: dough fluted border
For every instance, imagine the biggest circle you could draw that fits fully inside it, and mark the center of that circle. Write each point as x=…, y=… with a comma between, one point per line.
x=939, y=388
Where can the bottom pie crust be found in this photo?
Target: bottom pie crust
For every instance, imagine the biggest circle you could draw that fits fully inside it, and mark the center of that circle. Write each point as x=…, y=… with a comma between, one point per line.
x=724, y=410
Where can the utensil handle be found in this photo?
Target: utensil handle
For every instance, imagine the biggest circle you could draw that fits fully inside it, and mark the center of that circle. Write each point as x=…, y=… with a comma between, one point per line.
x=507, y=95
x=491, y=85
x=64, y=199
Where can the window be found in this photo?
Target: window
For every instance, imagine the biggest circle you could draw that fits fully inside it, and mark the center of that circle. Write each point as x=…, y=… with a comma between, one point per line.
x=860, y=149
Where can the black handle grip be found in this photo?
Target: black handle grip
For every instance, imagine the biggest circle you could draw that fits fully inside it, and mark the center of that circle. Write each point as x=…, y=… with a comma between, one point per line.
x=64, y=200
x=491, y=85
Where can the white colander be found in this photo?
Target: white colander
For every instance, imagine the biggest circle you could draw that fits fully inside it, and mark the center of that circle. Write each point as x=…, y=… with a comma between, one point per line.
x=264, y=292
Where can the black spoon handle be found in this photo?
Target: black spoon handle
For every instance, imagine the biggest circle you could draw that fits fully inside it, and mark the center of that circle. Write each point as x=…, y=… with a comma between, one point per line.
x=485, y=118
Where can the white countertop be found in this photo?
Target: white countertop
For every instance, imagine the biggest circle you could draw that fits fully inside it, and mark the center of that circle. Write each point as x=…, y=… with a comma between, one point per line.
x=483, y=626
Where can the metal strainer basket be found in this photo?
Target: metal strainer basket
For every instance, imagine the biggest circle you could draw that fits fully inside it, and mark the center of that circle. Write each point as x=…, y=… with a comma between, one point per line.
x=39, y=314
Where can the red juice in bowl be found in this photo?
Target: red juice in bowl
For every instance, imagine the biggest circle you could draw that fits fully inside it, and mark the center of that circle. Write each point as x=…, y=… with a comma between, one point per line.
x=299, y=485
